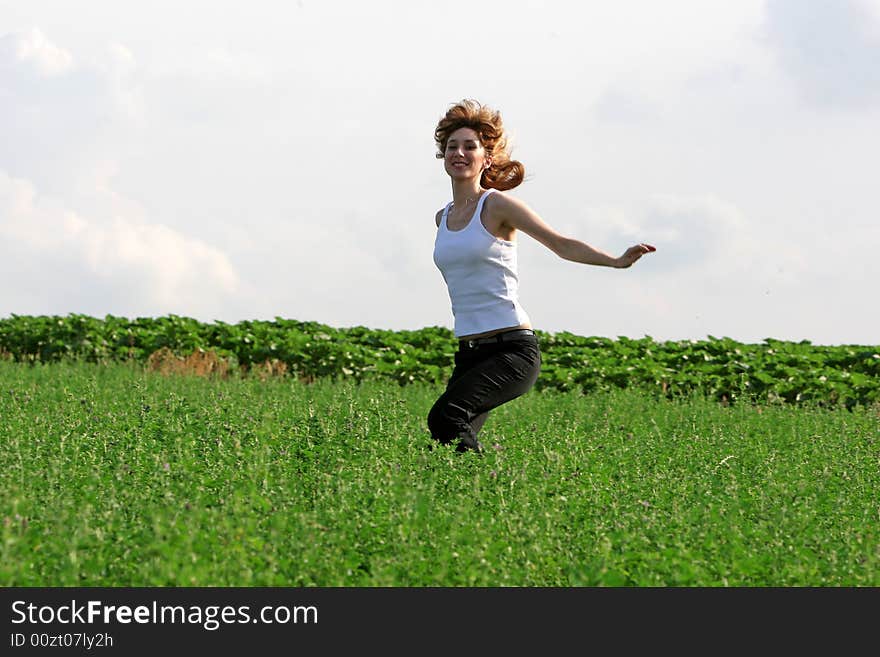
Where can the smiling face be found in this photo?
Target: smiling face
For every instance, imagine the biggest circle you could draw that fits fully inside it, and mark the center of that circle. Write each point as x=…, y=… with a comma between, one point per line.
x=465, y=157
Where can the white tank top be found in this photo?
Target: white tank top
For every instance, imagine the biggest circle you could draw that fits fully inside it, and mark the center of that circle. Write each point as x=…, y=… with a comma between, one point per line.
x=480, y=273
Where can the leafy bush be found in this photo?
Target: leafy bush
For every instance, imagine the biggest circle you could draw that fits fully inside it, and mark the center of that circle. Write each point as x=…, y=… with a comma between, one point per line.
x=721, y=368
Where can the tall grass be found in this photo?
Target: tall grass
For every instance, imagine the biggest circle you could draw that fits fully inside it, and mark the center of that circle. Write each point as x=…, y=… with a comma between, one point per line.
x=113, y=476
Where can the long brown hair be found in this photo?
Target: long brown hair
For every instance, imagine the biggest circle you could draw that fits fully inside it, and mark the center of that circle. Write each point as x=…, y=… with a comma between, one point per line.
x=503, y=173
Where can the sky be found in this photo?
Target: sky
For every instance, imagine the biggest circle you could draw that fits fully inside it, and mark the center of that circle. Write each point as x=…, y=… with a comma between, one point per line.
x=234, y=161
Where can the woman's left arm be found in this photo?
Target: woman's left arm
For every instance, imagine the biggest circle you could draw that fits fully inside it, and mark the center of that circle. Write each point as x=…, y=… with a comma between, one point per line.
x=516, y=214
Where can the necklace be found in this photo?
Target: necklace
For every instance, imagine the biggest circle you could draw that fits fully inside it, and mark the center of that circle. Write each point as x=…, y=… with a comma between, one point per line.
x=471, y=200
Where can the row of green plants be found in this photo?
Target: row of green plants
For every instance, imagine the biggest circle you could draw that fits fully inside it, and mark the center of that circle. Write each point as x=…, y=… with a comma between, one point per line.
x=720, y=368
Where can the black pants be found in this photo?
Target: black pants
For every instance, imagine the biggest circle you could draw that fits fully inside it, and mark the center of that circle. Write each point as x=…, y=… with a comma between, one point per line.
x=485, y=376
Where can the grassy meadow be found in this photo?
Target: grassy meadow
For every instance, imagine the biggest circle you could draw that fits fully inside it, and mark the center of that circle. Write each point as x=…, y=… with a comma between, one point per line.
x=114, y=476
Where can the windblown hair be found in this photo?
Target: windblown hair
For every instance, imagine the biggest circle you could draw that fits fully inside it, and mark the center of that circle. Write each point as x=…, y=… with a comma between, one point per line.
x=504, y=173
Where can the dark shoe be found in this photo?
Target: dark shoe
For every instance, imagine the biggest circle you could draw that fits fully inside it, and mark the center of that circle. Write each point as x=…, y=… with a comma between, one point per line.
x=468, y=443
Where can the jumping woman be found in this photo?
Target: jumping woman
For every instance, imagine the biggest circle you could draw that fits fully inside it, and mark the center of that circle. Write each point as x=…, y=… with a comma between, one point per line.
x=498, y=357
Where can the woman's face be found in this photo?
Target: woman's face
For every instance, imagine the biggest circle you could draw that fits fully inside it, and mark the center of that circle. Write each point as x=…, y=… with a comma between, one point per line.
x=465, y=156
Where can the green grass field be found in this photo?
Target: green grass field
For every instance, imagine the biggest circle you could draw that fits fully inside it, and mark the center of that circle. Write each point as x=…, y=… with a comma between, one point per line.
x=111, y=476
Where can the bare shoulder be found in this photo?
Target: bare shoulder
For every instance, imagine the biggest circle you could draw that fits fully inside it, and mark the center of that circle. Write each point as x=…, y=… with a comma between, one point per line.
x=509, y=214
x=500, y=214
x=506, y=207
x=438, y=217
x=503, y=203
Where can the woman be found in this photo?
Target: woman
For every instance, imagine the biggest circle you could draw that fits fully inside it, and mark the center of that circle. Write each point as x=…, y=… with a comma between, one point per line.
x=498, y=357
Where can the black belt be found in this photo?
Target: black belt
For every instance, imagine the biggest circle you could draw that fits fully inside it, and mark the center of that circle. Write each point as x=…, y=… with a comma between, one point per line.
x=498, y=337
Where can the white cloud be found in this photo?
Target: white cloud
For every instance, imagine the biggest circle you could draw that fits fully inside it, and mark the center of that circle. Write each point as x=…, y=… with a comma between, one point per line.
x=34, y=50
x=58, y=129
x=710, y=238
x=62, y=260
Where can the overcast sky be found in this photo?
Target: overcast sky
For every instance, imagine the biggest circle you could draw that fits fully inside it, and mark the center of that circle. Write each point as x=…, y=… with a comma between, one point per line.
x=247, y=160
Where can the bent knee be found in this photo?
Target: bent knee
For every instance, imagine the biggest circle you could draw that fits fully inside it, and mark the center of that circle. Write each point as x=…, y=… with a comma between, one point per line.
x=438, y=418
x=446, y=421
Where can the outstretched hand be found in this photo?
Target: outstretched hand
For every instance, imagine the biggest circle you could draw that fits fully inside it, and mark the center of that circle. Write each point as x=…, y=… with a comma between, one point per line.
x=632, y=254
